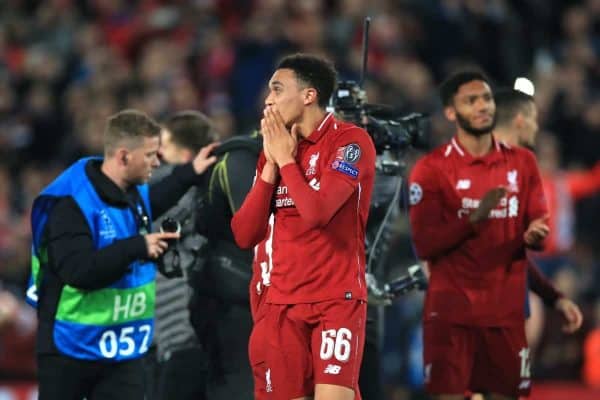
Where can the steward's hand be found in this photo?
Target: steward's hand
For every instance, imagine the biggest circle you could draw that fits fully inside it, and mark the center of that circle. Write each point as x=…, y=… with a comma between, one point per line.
x=157, y=243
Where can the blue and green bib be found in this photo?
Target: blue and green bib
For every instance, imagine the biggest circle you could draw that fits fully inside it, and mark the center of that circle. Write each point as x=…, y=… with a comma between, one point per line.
x=114, y=323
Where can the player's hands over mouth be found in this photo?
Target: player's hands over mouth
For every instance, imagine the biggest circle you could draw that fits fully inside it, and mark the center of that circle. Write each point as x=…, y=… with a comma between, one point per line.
x=489, y=201
x=571, y=313
x=536, y=232
x=280, y=144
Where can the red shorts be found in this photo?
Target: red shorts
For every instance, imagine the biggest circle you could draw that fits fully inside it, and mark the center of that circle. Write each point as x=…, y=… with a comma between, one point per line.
x=257, y=342
x=334, y=330
x=480, y=359
x=257, y=355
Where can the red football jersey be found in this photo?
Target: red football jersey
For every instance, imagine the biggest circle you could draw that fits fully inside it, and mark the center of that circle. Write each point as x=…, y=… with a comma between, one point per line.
x=261, y=272
x=321, y=205
x=477, y=272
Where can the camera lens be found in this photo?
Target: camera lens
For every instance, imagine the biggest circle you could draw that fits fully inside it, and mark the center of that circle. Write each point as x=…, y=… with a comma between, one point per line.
x=170, y=225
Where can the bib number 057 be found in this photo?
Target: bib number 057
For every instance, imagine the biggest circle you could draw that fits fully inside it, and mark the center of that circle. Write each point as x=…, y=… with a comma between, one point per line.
x=122, y=343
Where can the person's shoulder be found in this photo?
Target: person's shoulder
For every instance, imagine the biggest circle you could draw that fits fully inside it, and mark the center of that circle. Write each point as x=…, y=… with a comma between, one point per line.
x=64, y=203
x=345, y=133
x=65, y=212
x=519, y=153
x=339, y=128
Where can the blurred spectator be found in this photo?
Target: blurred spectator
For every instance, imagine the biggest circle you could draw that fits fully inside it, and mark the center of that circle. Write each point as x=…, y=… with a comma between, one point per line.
x=591, y=351
x=562, y=189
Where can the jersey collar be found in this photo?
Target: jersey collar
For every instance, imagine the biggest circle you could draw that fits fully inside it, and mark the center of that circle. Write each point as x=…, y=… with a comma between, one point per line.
x=322, y=128
x=461, y=153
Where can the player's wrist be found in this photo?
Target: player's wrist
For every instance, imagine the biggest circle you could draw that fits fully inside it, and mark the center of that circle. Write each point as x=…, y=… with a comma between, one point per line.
x=269, y=173
x=286, y=161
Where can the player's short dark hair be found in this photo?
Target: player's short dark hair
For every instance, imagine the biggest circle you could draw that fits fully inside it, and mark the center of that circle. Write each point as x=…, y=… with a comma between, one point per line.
x=509, y=103
x=190, y=129
x=450, y=86
x=128, y=126
x=313, y=71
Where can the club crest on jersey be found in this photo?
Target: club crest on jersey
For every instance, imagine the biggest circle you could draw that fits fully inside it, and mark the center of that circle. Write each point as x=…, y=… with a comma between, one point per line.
x=312, y=165
x=511, y=177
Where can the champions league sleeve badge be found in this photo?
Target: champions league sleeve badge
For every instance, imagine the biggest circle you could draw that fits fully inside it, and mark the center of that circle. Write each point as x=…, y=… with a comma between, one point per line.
x=345, y=159
x=352, y=153
x=415, y=194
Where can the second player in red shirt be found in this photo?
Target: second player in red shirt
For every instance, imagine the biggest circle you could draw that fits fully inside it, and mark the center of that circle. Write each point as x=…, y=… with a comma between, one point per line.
x=476, y=204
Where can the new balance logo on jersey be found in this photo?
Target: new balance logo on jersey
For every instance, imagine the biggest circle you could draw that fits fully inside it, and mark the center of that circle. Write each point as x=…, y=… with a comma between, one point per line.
x=332, y=369
x=463, y=184
x=268, y=386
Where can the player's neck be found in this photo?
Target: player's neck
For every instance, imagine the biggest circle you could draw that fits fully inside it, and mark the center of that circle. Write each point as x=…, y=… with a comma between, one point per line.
x=506, y=136
x=109, y=169
x=477, y=146
x=311, y=119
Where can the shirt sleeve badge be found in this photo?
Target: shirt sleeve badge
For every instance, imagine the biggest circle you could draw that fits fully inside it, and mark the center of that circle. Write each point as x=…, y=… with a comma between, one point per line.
x=345, y=158
x=415, y=194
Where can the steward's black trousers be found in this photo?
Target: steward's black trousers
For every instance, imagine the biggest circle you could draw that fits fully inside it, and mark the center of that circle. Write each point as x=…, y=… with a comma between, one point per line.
x=66, y=378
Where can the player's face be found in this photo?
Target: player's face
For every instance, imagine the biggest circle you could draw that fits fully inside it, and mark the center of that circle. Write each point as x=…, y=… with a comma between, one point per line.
x=141, y=160
x=287, y=94
x=528, y=126
x=169, y=151
x=473, y=108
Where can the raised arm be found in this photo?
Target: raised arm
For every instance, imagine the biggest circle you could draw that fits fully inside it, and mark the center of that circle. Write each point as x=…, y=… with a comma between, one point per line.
x=249, y=223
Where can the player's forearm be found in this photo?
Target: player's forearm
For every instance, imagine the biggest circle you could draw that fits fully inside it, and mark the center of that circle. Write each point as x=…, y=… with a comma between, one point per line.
x=316, y=207
x=541, y=286
x=433, y=240
x=249, y=223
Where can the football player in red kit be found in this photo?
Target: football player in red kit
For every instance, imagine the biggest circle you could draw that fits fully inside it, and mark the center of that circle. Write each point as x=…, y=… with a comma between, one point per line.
x=316, y=176
x=476, y=205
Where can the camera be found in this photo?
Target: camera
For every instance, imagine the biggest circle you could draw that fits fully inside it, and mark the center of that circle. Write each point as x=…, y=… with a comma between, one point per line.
x=170, y=263
x=389, y=129
x=415, y=279
x=170, y=225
